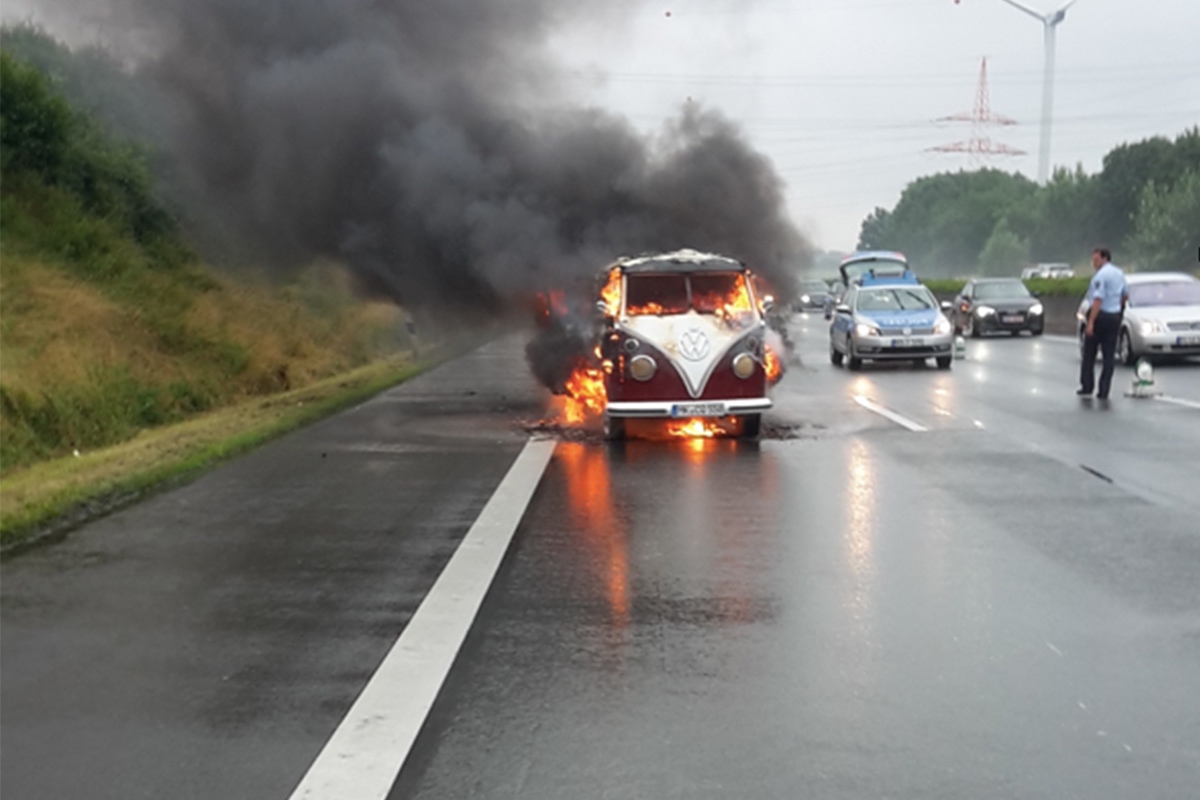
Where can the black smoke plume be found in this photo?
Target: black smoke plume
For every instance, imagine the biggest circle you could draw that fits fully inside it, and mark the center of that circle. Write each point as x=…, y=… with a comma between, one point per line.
x=433, y=147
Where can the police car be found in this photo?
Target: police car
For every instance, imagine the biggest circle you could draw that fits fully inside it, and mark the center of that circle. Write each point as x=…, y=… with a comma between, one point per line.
x=887, y=315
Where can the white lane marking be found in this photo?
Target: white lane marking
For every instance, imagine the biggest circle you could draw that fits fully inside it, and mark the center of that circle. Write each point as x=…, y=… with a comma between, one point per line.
x=905, y=422
x=1179, y=401
x=1050, y=337
x=363, y=757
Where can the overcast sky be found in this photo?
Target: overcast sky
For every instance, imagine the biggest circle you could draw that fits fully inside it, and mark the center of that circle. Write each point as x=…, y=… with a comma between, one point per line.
x=842, y=94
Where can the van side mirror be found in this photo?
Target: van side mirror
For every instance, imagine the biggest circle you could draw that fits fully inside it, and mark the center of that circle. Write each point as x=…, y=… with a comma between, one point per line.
x=602, y=308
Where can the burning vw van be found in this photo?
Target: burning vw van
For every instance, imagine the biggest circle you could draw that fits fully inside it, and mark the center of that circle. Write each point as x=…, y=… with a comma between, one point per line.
x=683, y=340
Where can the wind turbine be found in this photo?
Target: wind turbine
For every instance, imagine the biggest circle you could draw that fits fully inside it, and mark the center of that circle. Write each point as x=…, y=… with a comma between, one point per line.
x=1050, y=23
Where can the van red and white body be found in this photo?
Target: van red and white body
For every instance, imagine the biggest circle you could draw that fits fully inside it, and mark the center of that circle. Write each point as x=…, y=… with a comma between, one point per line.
x=683, y=338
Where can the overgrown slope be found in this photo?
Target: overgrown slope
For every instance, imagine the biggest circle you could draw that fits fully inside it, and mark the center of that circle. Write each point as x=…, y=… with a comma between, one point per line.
x=108, y=323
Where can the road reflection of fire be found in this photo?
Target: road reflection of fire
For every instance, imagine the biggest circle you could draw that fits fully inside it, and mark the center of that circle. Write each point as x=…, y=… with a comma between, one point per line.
x=589, y=493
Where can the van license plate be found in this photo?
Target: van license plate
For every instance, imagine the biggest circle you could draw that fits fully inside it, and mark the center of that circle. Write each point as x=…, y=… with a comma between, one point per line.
x=699, y=410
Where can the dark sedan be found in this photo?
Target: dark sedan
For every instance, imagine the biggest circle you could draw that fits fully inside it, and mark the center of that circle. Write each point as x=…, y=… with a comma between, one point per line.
x=993, y=305
x=813, y=295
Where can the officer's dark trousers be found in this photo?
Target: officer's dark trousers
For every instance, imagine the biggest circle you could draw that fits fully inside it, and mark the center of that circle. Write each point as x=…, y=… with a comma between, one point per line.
x=1108, y=327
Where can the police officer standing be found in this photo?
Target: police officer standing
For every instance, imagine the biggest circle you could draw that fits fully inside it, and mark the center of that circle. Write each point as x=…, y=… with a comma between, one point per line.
x=1106, y=298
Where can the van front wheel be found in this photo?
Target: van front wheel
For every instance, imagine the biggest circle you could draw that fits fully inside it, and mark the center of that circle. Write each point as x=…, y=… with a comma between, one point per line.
x=614, y=428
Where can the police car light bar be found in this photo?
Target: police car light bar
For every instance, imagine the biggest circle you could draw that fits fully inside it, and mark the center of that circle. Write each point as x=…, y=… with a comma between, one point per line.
x=874, y=277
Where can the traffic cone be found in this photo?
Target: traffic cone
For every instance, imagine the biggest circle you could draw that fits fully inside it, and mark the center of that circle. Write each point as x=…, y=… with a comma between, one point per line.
x=1143, y=380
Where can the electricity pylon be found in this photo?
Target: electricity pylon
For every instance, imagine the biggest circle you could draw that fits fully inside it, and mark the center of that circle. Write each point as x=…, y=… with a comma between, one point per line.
x=980, y=148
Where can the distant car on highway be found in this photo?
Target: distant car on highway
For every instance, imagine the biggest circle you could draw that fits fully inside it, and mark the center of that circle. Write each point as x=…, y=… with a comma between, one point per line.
x=1161, y=321
x=813, y=295
x=889, y=317
x=684, y=337
x=1052, y=271
x=993, y=305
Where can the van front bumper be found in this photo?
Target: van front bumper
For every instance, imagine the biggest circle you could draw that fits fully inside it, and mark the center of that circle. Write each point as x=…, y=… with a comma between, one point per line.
x=679, y=409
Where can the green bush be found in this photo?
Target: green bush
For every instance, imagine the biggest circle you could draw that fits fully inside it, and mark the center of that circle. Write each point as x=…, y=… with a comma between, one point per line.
x=945, y=286
x=70, y=191
x=1044, y=287
x=35, y=123
x=1063, y=287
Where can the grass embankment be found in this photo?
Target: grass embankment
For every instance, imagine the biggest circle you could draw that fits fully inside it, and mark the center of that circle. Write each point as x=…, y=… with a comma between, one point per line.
x=76, y=487
x=111, y=328
x=88, y=364
x=1043, y=287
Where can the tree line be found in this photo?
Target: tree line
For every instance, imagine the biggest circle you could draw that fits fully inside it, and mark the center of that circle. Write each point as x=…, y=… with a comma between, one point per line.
x=1144, y=204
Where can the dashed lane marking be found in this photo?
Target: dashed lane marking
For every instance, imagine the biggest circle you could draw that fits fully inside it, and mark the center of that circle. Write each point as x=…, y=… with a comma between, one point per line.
x=1179, y=401
x=887, y=413
x=363, y=757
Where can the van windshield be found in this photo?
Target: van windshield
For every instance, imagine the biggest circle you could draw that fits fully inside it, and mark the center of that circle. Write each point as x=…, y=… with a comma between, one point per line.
x=725, y=294
x=719, y=292
x=650, y=295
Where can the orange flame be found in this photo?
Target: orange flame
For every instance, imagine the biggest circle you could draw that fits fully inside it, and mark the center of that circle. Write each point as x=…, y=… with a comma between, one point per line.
x=772, y=365
x=694, y=428
x=645, y=310
x=584, y=396
x=611, y=293
x=737, y=302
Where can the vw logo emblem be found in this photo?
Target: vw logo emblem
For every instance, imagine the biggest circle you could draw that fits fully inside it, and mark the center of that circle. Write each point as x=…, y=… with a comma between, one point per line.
x=693, y=345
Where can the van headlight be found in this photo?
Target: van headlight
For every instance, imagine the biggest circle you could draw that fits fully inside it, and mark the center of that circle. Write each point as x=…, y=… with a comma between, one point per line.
x=642, y=367
x=744, y=365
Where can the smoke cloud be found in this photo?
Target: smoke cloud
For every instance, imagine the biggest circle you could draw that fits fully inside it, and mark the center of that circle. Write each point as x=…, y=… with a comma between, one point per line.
x=431, y=147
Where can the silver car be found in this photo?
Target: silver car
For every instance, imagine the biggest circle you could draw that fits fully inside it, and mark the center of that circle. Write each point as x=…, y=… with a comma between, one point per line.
x=1162, y=319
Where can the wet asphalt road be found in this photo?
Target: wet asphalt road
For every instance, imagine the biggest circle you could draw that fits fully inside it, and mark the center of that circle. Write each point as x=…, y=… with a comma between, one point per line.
x=1006, y=605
